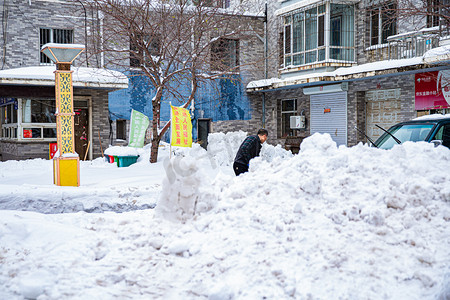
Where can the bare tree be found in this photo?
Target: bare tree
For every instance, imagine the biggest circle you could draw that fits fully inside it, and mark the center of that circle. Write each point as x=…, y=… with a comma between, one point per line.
x=172, y=43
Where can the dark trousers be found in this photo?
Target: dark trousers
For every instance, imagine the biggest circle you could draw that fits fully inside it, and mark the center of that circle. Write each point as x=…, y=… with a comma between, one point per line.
x=239, y=168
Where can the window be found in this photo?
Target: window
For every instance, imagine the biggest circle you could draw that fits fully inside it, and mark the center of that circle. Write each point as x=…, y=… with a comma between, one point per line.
x=305, y=40
x=224, y=54
x=432, y=13
x=37, y=119
x=443, y=135
x=49, y=35
x=121, y=129
x=142, y=47
x=38, y=111
x=8, y=116
x=382, y=23
x=288, y=109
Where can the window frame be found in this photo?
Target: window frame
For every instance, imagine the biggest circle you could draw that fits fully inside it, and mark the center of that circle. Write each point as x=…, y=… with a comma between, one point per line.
x=386, y=23
x=432, y=13
x=306, y=35
x=285, y=123
x=15, y=131
x=223, y=60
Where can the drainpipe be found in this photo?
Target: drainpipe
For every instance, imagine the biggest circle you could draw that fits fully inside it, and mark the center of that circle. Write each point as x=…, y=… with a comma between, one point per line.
x=265, y=66
x=102, y=54
x=85, y=33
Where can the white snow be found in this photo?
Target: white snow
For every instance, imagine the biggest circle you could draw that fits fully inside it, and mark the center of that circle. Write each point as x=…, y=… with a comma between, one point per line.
x=57, y=45
x=369, y=67
x=433, y=117
x=329, y=223
x=80, y=75
x=122, y=151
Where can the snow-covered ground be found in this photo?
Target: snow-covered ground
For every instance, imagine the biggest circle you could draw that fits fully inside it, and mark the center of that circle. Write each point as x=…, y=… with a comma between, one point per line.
x=329, y=223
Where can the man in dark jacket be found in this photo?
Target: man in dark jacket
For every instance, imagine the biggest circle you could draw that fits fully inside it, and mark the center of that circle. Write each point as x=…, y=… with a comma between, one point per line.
x=249, y=149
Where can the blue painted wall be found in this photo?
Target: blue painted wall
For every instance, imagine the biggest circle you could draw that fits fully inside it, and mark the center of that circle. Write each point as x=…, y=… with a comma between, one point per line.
x=221, y=100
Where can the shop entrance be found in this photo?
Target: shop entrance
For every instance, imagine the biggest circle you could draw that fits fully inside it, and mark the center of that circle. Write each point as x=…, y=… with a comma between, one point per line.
x=329, y=115
x=81, y=128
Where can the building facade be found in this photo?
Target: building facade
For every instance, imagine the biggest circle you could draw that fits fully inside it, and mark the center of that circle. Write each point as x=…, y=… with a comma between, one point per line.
x=342, y=67
x=27, y=87
x=221, y=104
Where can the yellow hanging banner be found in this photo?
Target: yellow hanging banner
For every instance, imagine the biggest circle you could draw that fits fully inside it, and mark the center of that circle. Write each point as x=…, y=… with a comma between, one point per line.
x=181, y=127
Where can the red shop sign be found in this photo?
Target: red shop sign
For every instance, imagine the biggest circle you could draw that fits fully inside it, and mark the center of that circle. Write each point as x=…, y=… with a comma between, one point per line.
x=432, y=90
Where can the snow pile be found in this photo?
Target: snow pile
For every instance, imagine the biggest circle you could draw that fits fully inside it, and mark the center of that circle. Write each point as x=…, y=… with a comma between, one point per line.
x=122, y=151
x=270, y=153
x=329, y=223
x=222, y=148
x=181, y=196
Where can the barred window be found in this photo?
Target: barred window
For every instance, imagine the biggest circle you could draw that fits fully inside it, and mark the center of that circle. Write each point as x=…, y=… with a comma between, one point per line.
x=382, y=23
x=224, y=54
x=51, y=35
x=305, y=40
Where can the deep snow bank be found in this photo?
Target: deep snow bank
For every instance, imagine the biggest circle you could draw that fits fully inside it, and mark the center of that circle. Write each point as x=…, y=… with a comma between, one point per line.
x=329, y=223
x=341, y=223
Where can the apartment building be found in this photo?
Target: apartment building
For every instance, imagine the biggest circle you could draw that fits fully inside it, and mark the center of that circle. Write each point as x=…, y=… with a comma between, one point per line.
x=341, y=67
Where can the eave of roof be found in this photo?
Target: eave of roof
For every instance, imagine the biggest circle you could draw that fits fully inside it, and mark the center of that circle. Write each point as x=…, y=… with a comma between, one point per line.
x=90, y=78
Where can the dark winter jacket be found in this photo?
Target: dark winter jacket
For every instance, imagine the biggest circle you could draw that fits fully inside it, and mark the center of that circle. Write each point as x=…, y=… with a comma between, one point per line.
x=249, y=148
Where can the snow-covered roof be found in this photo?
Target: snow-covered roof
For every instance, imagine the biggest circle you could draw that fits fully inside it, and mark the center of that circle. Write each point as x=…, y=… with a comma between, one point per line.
x=436, y=55
x=81, y=77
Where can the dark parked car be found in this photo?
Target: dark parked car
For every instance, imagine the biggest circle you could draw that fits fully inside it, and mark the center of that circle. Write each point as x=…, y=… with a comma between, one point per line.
x=432, y=128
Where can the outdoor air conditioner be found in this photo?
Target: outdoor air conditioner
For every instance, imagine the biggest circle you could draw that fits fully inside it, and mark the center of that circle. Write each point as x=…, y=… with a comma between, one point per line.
x=297, y=122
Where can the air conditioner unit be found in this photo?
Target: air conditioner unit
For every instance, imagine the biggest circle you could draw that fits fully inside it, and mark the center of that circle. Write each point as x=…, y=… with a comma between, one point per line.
x=297, y=122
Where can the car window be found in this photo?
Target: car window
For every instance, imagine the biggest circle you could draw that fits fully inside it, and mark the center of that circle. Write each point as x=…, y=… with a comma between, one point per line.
x=443, y=134
x=438, y=135
x=407, y=132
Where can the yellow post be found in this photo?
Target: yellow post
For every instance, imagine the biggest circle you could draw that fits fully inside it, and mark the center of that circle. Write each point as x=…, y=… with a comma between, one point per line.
x=66, y=166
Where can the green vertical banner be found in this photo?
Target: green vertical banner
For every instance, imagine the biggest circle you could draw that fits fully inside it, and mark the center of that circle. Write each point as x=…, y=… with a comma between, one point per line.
x=138, y=127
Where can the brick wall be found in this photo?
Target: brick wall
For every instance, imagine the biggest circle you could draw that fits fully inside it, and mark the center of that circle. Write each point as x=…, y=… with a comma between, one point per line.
x=355, y=106
x=24, y=21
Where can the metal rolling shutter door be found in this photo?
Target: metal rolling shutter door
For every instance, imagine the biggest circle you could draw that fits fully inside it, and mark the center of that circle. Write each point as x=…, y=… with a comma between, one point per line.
x=333, y=122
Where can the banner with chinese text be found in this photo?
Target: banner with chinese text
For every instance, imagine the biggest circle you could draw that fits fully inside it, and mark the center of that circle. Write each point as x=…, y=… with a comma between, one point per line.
x=138, y=127
x=181, y=127
x=432, y=90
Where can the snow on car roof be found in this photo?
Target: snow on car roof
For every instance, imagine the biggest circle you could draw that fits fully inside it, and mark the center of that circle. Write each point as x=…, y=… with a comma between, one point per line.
x=432, y=117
